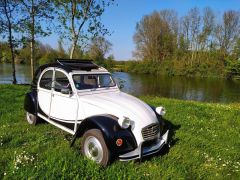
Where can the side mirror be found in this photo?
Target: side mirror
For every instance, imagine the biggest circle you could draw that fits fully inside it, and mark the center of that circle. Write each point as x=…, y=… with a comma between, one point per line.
x=120, y=82
x=66, y=91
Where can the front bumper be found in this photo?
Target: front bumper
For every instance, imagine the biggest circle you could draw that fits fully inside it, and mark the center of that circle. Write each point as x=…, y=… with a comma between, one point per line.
x=142, y=151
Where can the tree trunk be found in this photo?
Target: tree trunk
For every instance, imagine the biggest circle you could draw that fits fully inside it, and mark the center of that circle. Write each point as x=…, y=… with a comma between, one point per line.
x=72, y=51
x=32, y=56
x=12, y=56
x=73, y=48
x=32, y=44
x=10, y=42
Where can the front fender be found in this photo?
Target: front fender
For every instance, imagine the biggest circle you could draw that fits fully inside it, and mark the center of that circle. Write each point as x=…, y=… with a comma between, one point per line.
x=111, y=131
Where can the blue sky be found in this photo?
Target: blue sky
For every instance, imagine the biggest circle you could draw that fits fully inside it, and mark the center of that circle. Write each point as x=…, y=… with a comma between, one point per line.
x=121, y=19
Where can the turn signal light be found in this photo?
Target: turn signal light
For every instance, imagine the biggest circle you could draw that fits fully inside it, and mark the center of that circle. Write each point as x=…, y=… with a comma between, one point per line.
x=119, y=142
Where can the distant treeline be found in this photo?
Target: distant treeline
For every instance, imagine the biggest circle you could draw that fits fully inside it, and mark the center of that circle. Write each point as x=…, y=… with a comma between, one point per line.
x=44, y=53
x=201, y=43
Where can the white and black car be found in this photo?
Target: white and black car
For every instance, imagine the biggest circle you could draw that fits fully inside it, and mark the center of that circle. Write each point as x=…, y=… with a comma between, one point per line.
x=82, y=99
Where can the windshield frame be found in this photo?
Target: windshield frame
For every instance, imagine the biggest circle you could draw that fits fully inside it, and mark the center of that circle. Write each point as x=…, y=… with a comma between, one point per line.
x=94, y=73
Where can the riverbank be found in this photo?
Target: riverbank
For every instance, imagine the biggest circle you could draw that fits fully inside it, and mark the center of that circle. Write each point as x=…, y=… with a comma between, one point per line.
x=206, y=144
x=227, y=69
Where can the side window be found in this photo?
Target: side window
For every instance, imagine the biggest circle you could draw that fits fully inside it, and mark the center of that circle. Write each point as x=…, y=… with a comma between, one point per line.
x=46, y=80
x=61, y=81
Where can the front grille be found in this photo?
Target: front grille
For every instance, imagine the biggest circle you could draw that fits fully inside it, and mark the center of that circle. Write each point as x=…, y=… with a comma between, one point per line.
x=150, y=131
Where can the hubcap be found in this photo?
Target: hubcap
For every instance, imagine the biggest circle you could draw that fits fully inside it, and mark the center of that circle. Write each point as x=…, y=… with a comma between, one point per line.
x=30, y=118
x=93, y=149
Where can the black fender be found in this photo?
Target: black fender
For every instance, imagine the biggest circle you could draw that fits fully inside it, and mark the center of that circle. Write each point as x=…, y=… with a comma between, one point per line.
x=111, y=131
x=30, y=102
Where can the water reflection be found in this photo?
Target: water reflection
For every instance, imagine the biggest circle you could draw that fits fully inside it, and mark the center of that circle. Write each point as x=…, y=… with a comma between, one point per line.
x=200, y=89
x=23, y=74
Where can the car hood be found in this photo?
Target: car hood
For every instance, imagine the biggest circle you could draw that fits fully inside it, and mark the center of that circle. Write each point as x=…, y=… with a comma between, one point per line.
x=118, y=104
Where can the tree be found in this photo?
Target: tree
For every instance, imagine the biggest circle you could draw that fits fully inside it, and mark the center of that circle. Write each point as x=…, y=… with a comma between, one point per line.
x=227, y=32
x=35, y=13
x=98, y=48
x=8, y=25
x=154, y=38
x=61, y=51
x=195, y=22
x=205, y=36
x=81, y=19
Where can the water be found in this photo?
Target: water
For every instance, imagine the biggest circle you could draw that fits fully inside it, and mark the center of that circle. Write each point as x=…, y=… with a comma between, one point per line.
x=200, y=89
x=23, y=73
x=187, y=88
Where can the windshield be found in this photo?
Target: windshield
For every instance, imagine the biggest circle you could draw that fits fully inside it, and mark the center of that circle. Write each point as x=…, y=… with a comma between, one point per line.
x=92, y=81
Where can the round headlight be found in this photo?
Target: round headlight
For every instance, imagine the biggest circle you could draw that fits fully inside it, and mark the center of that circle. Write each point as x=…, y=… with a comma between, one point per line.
x=160, y=110
x=124, y=122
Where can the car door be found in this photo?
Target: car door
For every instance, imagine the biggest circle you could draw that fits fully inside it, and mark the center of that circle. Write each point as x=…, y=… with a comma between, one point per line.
x=64, y=107
x=44, y=92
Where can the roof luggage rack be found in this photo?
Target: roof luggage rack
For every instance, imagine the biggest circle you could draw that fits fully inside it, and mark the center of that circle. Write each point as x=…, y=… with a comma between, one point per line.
x=77, y=64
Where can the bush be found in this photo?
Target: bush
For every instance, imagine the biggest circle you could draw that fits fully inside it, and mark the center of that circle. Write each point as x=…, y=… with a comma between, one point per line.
x=233, y=69
x=48, y=58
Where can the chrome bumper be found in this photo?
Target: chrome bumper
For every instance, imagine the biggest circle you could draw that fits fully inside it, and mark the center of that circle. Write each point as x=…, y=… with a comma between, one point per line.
x=141, y=151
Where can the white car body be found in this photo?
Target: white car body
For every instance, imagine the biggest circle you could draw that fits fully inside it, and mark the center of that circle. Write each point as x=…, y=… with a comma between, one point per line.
x=58, y=108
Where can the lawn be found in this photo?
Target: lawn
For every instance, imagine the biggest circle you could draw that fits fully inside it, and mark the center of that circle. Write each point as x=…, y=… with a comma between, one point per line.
x=207, y=145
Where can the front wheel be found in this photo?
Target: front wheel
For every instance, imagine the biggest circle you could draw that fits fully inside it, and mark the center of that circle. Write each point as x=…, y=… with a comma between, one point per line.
x=94, y=147
x=31, y=118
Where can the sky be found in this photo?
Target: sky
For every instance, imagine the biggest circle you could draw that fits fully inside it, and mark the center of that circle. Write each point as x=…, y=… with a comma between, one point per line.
x=121, y=19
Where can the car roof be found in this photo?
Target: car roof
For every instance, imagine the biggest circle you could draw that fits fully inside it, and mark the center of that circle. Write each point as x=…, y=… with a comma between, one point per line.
x=70, y=65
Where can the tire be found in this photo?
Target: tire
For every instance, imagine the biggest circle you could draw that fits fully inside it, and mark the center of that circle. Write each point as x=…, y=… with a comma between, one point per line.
x=31, y=118
x=94, y=147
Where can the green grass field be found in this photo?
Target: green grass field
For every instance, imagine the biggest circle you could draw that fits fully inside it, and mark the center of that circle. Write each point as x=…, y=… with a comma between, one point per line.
x=207, y=145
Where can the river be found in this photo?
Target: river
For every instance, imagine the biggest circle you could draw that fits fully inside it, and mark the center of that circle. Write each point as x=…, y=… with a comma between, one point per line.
x=186, y=88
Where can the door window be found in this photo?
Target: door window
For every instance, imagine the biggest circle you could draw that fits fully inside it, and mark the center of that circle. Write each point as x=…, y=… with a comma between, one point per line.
x=46, y=80
x=61, y=81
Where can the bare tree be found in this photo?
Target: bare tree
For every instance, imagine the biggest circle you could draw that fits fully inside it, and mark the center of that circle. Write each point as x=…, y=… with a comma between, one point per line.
x=8, y=25
x=153, y=38
x=185, y=29
x=206, y=36
x=171, y=17
x=227, y=31
x=80, y=19
x=231, y=25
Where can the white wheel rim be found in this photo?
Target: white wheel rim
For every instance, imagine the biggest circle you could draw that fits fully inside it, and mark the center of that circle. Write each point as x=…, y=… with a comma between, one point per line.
x=93, y=149
x=30, y=118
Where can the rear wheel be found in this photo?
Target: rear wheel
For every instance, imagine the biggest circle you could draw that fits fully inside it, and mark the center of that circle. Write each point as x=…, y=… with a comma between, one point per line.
x=31, y=118
x=94, y=147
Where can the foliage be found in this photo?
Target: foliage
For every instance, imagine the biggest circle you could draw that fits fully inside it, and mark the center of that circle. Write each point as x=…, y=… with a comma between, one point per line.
x=233, y=69
x=49, y=57
x=35, y=14
x=205, y=145
x=98, y=48
x=5, y=53
x=81, y=19
x=154, y=38
x=193, y=45
x=109, y=63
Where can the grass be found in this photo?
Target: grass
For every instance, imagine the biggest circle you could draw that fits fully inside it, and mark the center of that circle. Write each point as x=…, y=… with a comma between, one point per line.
x=207, y=145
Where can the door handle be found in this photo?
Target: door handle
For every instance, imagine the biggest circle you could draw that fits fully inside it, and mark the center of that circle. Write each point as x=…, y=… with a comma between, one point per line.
x=52, y=95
